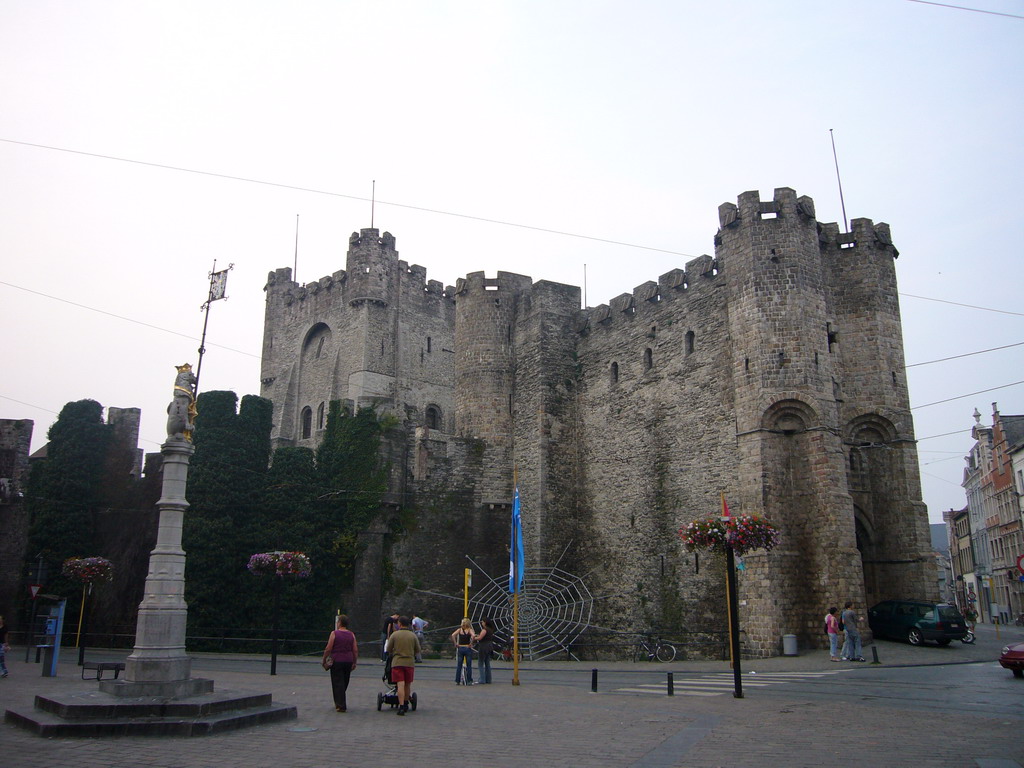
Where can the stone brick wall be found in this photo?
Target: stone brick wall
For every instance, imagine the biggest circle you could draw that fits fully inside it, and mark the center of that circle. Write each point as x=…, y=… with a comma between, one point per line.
x=15, y=440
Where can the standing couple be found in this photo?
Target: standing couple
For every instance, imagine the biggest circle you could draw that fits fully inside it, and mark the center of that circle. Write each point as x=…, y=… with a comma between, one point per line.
x=847, y=623
x=465, y=638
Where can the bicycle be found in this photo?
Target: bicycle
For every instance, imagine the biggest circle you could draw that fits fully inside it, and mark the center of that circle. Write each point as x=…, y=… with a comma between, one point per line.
x=1019, y=621
x=654, y=648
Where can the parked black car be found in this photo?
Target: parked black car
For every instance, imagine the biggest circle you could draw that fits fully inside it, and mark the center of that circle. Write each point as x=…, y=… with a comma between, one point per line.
x=916, y=621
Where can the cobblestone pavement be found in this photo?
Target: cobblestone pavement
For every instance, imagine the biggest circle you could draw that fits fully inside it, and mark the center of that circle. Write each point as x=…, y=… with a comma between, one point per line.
x=544, y=723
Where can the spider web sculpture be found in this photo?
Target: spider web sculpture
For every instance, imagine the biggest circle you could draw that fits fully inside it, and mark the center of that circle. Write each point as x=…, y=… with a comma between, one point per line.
x=554, y=610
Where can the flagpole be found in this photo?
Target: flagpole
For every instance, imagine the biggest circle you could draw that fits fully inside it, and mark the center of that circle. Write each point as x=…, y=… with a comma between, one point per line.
x=515, y=581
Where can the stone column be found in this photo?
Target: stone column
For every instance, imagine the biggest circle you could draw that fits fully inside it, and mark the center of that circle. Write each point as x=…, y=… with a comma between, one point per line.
x=159, y=665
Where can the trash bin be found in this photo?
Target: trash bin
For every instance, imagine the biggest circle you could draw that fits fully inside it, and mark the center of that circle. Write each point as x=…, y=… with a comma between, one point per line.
x=789, y=645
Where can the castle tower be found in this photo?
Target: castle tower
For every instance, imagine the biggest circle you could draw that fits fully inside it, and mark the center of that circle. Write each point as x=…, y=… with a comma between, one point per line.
x=372, y=267
x=787, y=392
x=485, y=314
x=891, y=521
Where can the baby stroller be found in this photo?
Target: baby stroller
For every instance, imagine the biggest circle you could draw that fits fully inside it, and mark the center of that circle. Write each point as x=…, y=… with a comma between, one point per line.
x=390, y=696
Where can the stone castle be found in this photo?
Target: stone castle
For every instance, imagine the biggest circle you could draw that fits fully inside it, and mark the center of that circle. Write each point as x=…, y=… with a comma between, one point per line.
x=772, y=372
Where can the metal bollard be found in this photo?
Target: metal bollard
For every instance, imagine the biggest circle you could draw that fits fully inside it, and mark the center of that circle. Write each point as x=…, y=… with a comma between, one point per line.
x=874, y=654
x=593, y=681
x=671, y=687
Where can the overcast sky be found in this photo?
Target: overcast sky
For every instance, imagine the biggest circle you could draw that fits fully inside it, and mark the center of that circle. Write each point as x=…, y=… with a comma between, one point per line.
x=618, y=121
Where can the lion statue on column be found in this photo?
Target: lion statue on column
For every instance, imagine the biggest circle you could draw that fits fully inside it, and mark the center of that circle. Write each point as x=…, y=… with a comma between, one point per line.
x=181, y=413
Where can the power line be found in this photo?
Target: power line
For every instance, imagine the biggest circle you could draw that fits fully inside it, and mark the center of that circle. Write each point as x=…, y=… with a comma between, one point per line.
x=966, y=354
x=963, y=8
x=120, y=317
x=352, y=197
x=969, y=394
x=969, y=306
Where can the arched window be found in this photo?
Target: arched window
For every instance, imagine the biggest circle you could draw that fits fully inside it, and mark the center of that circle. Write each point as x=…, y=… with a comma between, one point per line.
x=615, y=373
x=320, y=417
x=648, y=359
x=307, y=422
x=433, y=417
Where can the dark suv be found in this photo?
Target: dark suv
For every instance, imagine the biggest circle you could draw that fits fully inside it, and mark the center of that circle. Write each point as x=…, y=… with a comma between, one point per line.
x=916, y=621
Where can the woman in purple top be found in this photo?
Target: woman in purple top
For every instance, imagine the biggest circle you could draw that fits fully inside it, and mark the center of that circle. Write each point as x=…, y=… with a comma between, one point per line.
x=341, y=656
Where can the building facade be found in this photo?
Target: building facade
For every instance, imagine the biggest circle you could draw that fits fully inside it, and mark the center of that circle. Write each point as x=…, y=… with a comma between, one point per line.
x=772, y=372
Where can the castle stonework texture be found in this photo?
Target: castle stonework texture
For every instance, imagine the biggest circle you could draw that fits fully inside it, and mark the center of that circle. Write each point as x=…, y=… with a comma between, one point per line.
x=772, y=372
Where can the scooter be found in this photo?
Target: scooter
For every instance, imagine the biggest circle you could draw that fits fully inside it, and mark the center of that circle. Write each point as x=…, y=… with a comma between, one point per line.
x=968, y=639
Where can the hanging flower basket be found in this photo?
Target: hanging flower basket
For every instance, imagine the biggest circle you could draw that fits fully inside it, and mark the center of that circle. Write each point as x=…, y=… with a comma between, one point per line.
x=744, y=533
x=88, y=570
x=280, y=564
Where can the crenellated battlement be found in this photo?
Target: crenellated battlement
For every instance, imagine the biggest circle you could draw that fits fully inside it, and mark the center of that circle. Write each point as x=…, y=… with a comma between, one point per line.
x=677, y=285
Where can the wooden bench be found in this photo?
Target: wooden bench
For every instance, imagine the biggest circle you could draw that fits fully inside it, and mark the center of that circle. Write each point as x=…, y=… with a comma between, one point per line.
x=99, y=667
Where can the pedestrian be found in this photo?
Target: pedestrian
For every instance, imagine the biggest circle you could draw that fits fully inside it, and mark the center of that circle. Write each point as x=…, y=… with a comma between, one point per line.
x=418, y=625
x=341, y=656
x=832, y=628
x=404, y=647
x=4, y=648
x=484, y=647
x=971, y=616
x=463, y=639
x=390, y=625
x=851, y=647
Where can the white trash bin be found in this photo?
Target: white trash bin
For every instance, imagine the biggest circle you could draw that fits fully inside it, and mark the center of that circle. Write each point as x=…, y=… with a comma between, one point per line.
x=789, y=645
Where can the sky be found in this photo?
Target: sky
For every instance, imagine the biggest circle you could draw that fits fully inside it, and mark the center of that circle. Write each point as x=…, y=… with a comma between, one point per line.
x=143, y=142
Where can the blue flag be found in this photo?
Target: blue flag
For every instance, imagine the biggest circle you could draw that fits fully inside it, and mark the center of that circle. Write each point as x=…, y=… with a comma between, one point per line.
x=516, y=559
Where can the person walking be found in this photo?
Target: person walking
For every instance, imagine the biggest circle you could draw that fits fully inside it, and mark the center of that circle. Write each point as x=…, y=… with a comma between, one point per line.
x=341, y=656
x=852, y=646
x=832, y=628
x=463, y=639
x=484, y=647
x=404, y=647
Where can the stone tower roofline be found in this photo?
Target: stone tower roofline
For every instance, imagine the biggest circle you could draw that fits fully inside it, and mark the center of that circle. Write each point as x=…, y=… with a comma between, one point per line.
x=785, y=203
x=414, y=276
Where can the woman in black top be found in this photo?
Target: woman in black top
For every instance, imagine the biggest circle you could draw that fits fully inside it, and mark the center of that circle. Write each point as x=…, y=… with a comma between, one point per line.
x=484, y=646
x=463, y=639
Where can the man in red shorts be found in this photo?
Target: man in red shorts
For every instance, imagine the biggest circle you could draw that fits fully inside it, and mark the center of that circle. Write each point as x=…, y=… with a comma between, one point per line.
x=404, y=647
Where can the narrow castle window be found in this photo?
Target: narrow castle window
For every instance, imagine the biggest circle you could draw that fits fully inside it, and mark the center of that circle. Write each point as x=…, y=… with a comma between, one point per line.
x=615, y=373
x=648, y=359
x=689, y=342
x=320, y=347
x=433, y=417
x=428, y=343
x=307, y=422
x=320, y=417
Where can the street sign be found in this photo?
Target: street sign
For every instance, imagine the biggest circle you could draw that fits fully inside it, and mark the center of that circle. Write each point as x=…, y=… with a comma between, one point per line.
x=33, y=590
x=1020, y=563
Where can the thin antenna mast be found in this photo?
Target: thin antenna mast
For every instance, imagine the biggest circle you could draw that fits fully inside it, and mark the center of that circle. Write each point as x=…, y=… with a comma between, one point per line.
x=584, y=286
x=373, y=201
x=846, y=227
x=295, y=269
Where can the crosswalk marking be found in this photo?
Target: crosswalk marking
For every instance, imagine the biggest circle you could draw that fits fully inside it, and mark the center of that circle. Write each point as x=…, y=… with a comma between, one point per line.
x=720, y=683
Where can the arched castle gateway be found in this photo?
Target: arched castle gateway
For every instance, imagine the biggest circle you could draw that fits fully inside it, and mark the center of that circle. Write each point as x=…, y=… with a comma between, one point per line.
x=772, y=371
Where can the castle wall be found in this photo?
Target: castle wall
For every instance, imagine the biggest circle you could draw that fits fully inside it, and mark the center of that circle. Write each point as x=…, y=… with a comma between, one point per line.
x=15, y=440
x=655, y=442
x=771, y=372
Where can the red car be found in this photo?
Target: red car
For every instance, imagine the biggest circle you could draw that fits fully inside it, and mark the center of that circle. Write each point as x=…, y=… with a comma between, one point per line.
x=1013, y=659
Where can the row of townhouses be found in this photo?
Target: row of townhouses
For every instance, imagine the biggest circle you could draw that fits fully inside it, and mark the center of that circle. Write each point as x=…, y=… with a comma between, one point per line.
x=986, y=543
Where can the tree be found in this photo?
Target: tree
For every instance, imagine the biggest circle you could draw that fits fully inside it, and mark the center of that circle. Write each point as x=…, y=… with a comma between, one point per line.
x=64, y=490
